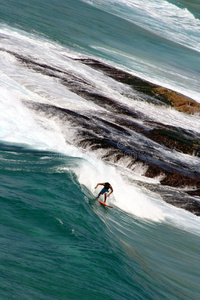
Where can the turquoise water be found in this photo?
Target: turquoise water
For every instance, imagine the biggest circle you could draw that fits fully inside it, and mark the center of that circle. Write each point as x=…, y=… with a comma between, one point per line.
x=57, y=242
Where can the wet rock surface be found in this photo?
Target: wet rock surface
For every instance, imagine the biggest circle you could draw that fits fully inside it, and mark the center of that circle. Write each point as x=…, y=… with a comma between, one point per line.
x=163, y=95
x=127, y=133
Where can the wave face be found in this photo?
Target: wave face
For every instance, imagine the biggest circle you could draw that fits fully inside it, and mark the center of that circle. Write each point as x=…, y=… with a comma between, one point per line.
x=57, y=242
x=70, y=118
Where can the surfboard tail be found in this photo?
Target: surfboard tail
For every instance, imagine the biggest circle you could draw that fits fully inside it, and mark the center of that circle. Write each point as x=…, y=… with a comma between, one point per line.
x=103, y=203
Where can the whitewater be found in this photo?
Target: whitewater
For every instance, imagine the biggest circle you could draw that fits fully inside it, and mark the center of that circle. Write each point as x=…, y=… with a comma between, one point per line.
x=144, y=248
x=24, y=127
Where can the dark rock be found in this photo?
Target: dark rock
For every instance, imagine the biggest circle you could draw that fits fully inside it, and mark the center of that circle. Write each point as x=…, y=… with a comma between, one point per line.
x=177, y=100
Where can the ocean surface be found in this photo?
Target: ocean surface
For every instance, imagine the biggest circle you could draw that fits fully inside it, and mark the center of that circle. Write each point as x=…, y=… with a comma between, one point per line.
x=56, y=241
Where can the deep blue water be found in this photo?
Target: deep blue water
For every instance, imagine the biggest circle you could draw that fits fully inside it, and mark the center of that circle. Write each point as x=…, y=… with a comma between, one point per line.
x=56, y=241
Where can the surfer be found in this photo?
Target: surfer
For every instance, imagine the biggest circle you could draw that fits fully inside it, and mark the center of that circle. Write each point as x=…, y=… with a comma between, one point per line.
x=105, y=190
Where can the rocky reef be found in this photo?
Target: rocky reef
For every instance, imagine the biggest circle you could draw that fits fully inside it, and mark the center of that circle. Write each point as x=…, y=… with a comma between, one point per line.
x=179, y=139
x=178, y=101
x=115, y=135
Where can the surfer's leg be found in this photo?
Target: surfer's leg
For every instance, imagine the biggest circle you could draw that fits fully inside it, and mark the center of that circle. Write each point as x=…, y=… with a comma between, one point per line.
x=105, y=196
x=101, y=192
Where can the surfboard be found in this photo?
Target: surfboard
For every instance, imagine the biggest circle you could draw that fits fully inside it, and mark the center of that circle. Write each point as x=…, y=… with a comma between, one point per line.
x=103, y=203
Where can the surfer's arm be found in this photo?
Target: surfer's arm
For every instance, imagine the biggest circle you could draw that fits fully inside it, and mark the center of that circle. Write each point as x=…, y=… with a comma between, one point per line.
x=110, y=191
x=99, y=184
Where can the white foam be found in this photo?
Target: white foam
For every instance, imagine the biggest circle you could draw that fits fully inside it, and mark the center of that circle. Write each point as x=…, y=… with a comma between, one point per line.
x=127, y=197
x=42, y=50
x=135, y=201
x=20, y=125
